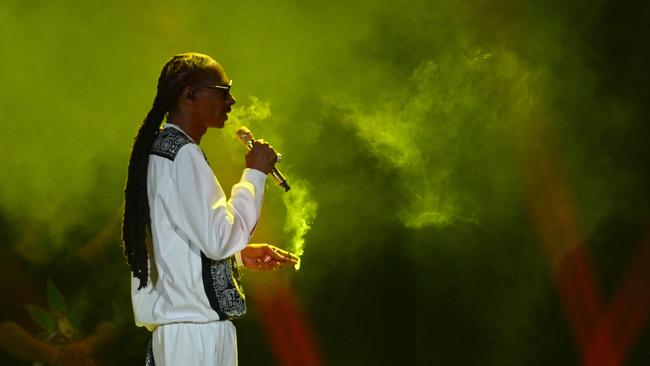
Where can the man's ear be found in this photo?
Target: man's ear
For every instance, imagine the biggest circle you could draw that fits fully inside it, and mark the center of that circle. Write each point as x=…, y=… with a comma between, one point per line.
x=188, y=93
x=187, y=96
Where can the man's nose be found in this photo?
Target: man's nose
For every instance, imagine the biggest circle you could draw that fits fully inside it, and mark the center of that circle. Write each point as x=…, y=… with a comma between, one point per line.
x=231, y=99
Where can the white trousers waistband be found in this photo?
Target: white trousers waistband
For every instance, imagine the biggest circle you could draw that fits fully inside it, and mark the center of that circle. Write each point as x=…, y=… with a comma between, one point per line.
x=200, y=344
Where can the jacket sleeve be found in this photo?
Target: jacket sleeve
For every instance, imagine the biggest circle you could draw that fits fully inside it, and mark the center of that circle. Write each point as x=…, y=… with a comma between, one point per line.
x=218, y=226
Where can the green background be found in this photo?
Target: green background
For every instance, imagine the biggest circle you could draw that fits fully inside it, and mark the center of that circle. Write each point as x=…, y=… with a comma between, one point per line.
x=415, y=131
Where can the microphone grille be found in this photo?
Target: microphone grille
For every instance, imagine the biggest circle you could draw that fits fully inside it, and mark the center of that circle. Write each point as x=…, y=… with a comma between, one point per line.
x=244, y=135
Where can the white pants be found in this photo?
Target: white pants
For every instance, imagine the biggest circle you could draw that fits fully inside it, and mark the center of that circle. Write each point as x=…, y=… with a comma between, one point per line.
x=195, y=344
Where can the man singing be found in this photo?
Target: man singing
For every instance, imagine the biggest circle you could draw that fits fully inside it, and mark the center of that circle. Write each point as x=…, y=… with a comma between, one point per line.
x=183, y=238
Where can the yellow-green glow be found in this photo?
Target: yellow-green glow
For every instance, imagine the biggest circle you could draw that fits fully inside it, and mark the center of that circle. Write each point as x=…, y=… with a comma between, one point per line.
x=411, y=129
x=301, y=212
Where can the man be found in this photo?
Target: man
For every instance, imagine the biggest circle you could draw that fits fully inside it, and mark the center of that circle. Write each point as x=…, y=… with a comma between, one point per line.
x=185, y=283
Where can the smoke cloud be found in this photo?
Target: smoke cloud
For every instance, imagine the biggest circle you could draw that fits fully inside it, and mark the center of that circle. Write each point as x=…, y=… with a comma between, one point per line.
x=407, y=132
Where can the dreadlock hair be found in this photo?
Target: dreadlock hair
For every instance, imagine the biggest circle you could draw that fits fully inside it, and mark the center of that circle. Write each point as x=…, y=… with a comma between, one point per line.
x=179, y=72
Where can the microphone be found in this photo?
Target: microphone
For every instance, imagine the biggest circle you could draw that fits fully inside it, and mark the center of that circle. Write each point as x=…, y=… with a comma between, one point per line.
x=245, y=136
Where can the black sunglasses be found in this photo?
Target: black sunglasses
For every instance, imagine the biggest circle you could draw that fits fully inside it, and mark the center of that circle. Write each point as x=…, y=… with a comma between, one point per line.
x=220, y=87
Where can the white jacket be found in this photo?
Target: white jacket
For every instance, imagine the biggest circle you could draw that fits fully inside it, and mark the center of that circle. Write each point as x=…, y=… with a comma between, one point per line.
x=196, y=232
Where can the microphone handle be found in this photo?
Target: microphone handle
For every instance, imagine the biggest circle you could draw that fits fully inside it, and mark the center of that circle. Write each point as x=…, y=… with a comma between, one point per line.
x=282, y=181
x=277, y=175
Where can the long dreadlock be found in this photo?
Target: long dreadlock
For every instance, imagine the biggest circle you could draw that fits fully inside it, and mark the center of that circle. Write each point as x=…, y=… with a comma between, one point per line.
x=180, y=71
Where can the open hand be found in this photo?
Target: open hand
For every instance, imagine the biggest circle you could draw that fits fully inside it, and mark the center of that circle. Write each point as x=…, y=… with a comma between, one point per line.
x=263, y=257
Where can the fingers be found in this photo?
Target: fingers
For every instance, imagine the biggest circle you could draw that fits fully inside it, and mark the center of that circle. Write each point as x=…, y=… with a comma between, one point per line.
x=259, y=264
x=282, y=255
x=262, y=156
x=261, y=257
x=266, y=263
x=261, y=144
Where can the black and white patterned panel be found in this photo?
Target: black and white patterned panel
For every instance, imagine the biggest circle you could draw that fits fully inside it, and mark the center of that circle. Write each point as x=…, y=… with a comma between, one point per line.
x=221, y=284
x=149, y=359
x=168, y=142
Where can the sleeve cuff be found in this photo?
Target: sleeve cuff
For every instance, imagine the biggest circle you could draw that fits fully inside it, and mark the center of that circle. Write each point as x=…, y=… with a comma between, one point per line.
x=240, y=262
x=257, y=179
x=254, y=176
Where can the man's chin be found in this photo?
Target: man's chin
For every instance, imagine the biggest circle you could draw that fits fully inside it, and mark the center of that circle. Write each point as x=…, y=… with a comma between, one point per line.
x=222, y=122
x=219, y=123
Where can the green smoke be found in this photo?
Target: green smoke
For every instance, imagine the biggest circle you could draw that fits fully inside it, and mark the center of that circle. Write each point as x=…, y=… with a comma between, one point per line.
x=444, y=131
x=301, y=212
x=404, y=125
x=298, y=202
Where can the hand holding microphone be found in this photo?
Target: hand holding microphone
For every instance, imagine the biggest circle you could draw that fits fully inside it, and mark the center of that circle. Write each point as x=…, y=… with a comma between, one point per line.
x=261, y=156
